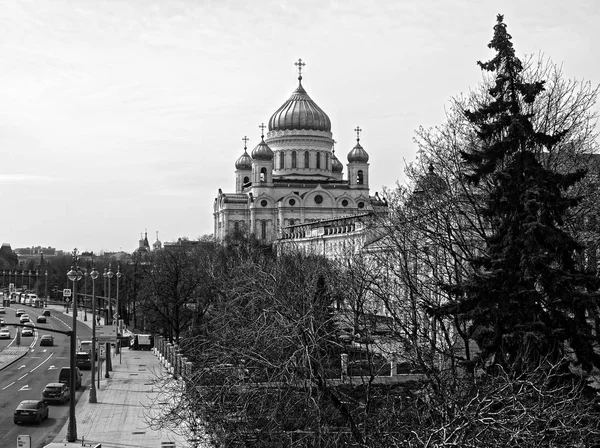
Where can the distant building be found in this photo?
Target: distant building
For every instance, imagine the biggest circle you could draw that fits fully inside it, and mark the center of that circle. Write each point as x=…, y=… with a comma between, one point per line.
x=293, y=177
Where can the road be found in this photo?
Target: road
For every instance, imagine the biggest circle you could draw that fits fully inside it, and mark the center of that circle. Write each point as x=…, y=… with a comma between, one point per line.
x=26, y=378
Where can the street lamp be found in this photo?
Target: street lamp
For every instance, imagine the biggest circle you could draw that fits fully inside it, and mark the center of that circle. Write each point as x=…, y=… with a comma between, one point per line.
x=46, y=287
x=94, y=275
x=104, y=294
x=110, y=274
x=118, y=348
x=85, y=295
x=29, y=281
x=22, y=280
x=3, y=272
x=37, y=280
x=74, y=275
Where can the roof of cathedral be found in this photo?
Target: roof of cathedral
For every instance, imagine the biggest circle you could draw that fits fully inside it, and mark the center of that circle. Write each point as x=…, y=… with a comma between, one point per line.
x=358, y=154
x=262, y=151
x=336, y=165
x=244, y=162
x=300, y=112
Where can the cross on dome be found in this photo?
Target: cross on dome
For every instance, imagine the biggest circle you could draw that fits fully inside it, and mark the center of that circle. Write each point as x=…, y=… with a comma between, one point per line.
x=245, y=141
x=358, y=131
x=262, y=130
x=299, y=64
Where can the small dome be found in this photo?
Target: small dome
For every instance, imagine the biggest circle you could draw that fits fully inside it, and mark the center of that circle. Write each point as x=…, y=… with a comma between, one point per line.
x=262, y=151
x=358, y=154
x=336, y=165
x=244, y=162
x=430, y=184
x=299, y=112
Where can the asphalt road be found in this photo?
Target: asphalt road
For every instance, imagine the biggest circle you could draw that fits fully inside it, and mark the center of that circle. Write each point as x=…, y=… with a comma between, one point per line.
x=26, y=378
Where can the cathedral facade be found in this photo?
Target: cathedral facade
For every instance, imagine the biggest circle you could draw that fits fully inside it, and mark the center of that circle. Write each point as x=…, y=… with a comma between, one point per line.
x=292, y=176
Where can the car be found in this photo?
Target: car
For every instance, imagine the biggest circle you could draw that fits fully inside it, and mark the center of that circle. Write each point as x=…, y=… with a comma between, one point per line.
x=85, y=346
x=2, y=322
x=31, y=411
x=83, y=360
x=46, y=313
x=64, y=376
x=56, y=392
x=26, y=331
x=41, y=319
x=24, y=318
x=5, y=333
x=19, y=312
x=47, y=339
x=2, y=310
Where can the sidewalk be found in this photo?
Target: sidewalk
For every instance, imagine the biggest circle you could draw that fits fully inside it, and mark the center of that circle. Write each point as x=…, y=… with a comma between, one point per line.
x=117, y=420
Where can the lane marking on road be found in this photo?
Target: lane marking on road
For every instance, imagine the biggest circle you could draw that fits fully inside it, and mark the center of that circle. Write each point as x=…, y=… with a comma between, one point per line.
x=24, y=388
x=6, y=387
x=22, y=367
x=40, y=364
x=52, y=367
x=18, y=379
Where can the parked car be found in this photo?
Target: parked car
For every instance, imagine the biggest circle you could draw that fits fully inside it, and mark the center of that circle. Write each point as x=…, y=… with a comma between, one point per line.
x=41, y=319
x=47, y=339
x=2, y=310
x=56, y=392
x=19, y=312
x=46, y=313
x=26, y=331
x=64, y=376
x=31, y=411
x=4, y=333
x=83, y=360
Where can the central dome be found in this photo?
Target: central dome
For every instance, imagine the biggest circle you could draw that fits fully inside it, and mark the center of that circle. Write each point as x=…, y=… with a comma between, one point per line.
x=300, y=112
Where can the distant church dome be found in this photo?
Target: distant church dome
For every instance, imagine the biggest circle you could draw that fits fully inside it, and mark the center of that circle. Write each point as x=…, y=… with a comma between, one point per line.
x=300, y=112
x=262, y=151
x=336, y=165
x=430, y=184
x=244, y=162
x=157, y=244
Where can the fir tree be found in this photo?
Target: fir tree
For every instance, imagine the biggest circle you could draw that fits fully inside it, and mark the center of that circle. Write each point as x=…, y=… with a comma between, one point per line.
x=527, y=298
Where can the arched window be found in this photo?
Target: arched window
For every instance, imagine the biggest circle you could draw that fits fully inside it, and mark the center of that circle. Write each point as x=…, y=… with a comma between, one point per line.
x=263, y=174
x=246, y=179
x=318, y=160
x=236, y=226
x=263, y=230
x=306, y=159
x=327, y=167
x=359, y=177
x=281, y=160
x=291, y=222
x=293, y=159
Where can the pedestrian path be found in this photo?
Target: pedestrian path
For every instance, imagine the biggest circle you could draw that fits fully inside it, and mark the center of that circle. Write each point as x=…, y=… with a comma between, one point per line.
x=118, y=419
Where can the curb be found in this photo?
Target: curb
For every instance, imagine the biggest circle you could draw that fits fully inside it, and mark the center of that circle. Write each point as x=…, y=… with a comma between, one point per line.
x=10, y=363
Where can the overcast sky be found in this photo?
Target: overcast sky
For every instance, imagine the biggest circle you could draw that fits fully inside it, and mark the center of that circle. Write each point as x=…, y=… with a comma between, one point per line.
x=118, y=116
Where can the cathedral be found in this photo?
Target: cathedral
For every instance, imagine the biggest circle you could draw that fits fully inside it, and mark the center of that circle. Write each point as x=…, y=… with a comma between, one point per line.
x=293, y=177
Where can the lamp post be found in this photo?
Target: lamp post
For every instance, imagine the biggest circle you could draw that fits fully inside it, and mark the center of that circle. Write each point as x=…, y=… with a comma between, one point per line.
x=46, y=287
x=74, y=275
x=94, y=275
x=3, y=272
x=110, y=274
x=22, y=279
x=118, y=315
x=105, y=275
x=29, y=281
x=37, y=280
x=85, y=295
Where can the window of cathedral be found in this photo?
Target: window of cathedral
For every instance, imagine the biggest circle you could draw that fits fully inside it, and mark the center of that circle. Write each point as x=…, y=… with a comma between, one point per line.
x=291, y=222
x=318, y=199
x=318, y=160
x=281, y=160
x=236, y=227
x=327, y=167
x=345, y=203
x=263, y=203
x=293, y=159
x=306, y=159
x=359, y=177
x=292, y=202
x=263, y=230
x=263, y=174
x=361, y=205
